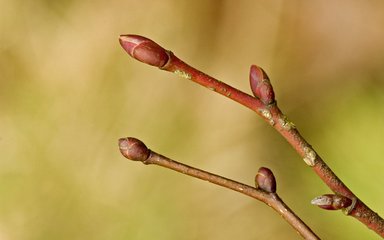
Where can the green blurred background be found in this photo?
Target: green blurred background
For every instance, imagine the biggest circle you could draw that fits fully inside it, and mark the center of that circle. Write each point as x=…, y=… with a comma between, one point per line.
x=68, y=91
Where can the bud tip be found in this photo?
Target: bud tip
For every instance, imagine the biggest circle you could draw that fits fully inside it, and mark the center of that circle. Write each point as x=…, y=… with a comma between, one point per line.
x=133, y=149
x=144, y=50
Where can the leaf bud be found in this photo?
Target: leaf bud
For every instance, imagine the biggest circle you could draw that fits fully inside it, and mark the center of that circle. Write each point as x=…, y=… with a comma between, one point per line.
x=144, y=50
x=133, y=149
x=265, y=180
x=261, y=86
x=331, y=202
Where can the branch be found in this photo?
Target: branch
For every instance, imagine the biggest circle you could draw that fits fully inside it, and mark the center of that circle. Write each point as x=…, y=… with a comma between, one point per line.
x=265, y=191
x=264, y=104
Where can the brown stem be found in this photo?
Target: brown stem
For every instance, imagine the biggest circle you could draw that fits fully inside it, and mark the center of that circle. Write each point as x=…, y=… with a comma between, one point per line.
x=136, y=150
x=149, y=52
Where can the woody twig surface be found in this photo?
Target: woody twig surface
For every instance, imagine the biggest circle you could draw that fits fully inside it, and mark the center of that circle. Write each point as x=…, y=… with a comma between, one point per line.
x=265, y=190
x=264, y=104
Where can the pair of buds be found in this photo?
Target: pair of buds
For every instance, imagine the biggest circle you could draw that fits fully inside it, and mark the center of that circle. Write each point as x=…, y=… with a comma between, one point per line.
x=265, y=180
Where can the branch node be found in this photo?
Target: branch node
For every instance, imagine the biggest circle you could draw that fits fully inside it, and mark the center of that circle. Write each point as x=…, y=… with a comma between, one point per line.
x=268, y=115
x=309, y=156
x=183, y=74
x=286, y=124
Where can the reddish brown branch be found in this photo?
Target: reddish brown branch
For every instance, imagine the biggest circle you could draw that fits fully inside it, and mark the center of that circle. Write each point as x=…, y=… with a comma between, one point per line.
x=136, y=150
x=263, y=104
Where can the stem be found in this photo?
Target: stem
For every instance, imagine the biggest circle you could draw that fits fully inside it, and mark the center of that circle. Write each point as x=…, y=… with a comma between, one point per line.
x=149, y=52
x=136, y=150
x=273, y=116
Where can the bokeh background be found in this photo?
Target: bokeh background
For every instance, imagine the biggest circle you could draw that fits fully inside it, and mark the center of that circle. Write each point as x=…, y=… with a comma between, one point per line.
x=68, y=91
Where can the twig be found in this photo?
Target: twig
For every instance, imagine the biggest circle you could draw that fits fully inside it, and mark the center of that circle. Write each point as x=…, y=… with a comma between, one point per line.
x=149, y=52
x=136, y=150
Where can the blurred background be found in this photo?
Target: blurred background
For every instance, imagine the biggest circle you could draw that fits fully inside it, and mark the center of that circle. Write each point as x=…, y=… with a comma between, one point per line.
x=68, y=91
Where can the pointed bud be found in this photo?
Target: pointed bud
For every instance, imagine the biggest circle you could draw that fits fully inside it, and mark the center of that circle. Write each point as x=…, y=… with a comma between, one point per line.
x=332, y=202
x=144, y=50
x=133, y=149
x=260, y=85
x=265, y=180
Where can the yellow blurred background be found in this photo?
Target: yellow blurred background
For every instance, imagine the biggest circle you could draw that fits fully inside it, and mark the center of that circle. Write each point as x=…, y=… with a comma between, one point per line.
x=68, y=91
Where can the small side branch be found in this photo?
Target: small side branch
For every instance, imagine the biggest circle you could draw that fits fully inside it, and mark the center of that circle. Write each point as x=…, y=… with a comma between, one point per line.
x=136, y=150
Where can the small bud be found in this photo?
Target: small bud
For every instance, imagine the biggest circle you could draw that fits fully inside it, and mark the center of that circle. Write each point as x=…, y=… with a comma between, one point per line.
x=133, y=149
x=260, y=85
x=332, y=202
x=265, y=180
x=144, y=50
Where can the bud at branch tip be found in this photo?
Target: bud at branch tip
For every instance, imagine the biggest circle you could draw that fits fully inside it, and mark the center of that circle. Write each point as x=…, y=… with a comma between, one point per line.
x=133, y=149
x=144, y=50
